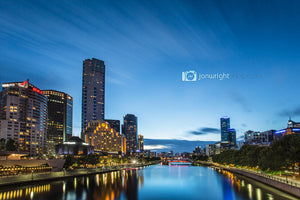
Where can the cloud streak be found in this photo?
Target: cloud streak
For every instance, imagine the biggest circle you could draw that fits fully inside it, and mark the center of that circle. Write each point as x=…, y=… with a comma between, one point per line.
x=240, y=100
x=156, y=147
x=160, y=145
x=205, y=131
x=290, y=112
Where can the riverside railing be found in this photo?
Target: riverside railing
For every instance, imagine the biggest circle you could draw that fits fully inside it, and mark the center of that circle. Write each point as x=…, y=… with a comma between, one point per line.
x=262, y=174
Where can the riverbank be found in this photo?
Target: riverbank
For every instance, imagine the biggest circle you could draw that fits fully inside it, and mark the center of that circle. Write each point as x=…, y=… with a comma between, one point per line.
x=288, y=186
x=51, y=176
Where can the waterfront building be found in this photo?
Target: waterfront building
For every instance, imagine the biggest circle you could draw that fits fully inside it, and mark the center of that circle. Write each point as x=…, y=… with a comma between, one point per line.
x=74, y=146
x=129, y=130
x=60, y=117
x=153, y=154
x=141, y=143
x=292, y=128
x=162, y=154
x=197, y=151
x=217, y=148
x=93, y=91
x=170, y=154
x=186, y=154
x=225, y=125
x=259, y=138
x=147, y=153
x=210, y=150
x=287, y=131
x=103, y=138
x=17, y=162
x=23, y=116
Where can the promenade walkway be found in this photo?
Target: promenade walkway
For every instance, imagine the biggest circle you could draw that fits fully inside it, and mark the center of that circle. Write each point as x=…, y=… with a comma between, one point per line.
x=283, y=179
x=21, y=179
x=286, y=184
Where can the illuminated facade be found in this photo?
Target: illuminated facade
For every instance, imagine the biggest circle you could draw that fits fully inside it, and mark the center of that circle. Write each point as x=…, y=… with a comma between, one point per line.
x=141, y=143
x=225, y=125
x=93, y=91
x=103, y=138
x=23, y=116
x=129, y=130
x=292, y=128
x=60, y=117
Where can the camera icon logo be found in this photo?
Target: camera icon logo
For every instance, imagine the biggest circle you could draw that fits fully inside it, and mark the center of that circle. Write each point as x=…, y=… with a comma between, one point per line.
x=189, y=75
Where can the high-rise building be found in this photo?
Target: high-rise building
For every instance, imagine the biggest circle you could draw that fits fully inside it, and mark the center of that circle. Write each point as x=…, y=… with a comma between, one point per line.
x=225, y=125
x=23, y=116
x=60, y=117
x=129, y=130
x=103, y=138
x=115, y=124
x=231, y=137
x=141, y=143
x=93, y=91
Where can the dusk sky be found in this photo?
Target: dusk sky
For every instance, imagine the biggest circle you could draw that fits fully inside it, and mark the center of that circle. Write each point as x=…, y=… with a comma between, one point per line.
x=146, y=45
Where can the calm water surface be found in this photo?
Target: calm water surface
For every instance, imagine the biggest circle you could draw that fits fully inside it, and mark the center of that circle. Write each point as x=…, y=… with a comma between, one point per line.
x=154, y=182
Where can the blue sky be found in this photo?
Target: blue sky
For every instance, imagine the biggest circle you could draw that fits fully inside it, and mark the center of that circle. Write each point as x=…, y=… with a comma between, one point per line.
x=146, y=45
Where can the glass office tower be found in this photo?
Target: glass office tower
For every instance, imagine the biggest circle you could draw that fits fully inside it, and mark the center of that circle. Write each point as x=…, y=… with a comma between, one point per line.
x=129, y=130
x=225, y=125
x=60, y=118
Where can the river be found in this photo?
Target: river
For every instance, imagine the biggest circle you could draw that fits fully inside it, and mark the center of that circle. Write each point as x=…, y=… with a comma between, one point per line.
x=156, y=182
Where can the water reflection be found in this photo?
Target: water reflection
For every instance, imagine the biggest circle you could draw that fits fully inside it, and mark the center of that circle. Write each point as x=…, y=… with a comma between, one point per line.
x=249, y=189
x=25, y=193
x=155, y=182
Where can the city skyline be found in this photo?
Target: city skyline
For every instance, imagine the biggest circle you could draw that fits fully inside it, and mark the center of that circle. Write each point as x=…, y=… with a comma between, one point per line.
x=145, y=62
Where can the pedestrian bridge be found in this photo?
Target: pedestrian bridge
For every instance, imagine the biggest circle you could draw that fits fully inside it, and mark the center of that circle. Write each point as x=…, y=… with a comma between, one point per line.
x=179, y=162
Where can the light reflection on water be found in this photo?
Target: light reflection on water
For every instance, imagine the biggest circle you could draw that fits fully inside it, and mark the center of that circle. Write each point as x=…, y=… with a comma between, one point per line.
x=154, y=182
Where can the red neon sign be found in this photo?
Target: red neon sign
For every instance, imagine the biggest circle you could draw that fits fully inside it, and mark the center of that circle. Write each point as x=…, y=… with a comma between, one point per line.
x=25, y=82
x=37, y=90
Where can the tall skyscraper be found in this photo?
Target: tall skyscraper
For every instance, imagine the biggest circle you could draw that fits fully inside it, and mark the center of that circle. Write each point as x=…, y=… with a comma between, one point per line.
x=129, y=130
x=225, y=125
x=23, y=116
x=60, y=118
x=93, y=91
x=141, y=143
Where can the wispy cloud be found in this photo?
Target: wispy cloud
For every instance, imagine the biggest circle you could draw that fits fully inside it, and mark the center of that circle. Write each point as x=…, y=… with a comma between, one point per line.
x=205, y=131
x=240, y=100
x=115, y=81
x=173, y=144
x=244, y=125
x=290, y=112
x=156, y=147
